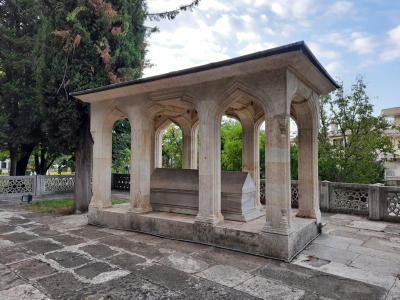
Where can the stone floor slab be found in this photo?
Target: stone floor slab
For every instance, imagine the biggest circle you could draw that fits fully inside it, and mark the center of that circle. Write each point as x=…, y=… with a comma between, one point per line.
x=331, y=254
x=68, y=240
x=365, y=224
x=376, y=265
x=41, y=246
x=8, y=279
x=383, y=245
x=32, y=268
x=98, y=250
x=375, y=253
x=393, y=228
x=68, y=259
x=18, y=237
x=13, y=254
x=92, y=270
x=209, y=290
x=126, y=261
x=23, y=292
x=184, y=263
x=268, y=289
x=62, y=286
x=167, y=277
x=225, y=275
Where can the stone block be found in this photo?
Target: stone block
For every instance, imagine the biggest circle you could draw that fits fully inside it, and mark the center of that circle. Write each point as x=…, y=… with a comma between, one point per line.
x=176, y=190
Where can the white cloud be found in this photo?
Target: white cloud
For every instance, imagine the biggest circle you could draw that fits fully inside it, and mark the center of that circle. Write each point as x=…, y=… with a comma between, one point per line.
x=393, y=51
x=255, y=47
x=268, y=31
x=320, y=52
x=264, y=19
x=246, y=36
x=341, y=7
x=333, y=66
x=212, y=5
x=360, y=42
x=222, y=25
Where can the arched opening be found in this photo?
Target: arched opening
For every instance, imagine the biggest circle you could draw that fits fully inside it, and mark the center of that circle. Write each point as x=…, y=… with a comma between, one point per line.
x=120, y=161
x=231, y=144
x=172, y=147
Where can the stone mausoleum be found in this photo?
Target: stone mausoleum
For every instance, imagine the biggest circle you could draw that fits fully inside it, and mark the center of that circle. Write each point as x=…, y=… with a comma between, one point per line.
x=206, y=205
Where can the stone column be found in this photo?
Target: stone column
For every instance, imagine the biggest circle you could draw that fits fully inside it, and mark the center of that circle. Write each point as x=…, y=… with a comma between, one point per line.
x=250, y=155
x=102, y=155
x=308, y=169
x=140, y=163
x=189, y=147
x=277, y=175
x=153, y=150
x=209, y=163
x=158, y=148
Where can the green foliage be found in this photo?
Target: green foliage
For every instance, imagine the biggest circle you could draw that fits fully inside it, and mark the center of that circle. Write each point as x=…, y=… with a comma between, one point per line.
x=121, y=145
x=262, y=153
x=231, y=145
x=294, y=162
x=363, y=137
x=172, y=147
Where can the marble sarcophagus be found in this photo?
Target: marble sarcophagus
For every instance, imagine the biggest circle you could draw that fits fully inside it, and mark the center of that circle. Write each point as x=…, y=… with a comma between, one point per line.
x=177, y=190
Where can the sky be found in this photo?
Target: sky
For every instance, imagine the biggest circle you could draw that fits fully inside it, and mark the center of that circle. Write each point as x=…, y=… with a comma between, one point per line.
x=347, y=37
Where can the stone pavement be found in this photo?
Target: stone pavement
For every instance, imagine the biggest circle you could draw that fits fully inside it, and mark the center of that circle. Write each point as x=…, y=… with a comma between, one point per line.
x=64, y=258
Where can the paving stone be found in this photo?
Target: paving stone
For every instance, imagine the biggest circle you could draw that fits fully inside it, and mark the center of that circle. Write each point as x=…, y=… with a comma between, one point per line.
x=8, y=279
x=313, y=296
x=120, y=242
x=395, y=228
x=5, y=243
x=91, y=271
x=185, y=263
x=375, y=253
x=182, y=247
x=32, y=268
x=336, y=241
x=13, y=254
x=18, y=237
x=98, y=250
x=41, y=246
x=167, y=277
x=209, y=290
x=68, y=259
x=383, y=245
x=6, y=229
x=45, y=231
x=269, y=289
x=62, y=286
x=126, y=261
x=321, y=283
x=377, y=265
x=17, y=221
x=68, y=240
x=331, y=254
x=235, y=259
x=148, y=251
x=90, y=232
x=127, y=288
x=23, y=292
x=225, y=275
x=370, y=225
x=394, y=293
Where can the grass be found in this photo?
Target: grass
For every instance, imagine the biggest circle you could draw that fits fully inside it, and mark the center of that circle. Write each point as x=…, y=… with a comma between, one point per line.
x=59, y=207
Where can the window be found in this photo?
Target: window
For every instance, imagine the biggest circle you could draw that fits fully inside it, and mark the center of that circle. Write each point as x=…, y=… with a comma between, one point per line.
x=338, y=141
x=3, y=165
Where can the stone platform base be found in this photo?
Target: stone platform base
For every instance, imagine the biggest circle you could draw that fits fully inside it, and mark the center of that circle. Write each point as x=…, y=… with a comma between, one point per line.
x=244, y=236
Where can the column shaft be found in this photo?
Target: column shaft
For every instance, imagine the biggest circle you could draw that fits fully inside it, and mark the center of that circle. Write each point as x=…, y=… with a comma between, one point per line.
x=189, y=148
x=209, y=163
x=277, y=175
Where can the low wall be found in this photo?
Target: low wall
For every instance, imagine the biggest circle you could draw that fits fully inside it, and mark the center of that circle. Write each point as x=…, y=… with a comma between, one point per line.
x=16, y=186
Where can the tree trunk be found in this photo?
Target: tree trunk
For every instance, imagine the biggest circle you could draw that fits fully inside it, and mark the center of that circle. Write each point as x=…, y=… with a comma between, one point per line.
x=22, y=163
x=14, y=158
x=83, y=169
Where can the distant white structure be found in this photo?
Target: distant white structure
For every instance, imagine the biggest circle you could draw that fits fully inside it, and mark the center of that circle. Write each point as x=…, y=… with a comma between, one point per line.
x=392, y=174
x=5, y=166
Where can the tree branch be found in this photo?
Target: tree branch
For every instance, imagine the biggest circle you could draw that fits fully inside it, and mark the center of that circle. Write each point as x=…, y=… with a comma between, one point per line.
x=170, y=15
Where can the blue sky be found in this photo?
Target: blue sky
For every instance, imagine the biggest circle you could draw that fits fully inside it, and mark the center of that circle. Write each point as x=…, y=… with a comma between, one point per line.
x=347, y=37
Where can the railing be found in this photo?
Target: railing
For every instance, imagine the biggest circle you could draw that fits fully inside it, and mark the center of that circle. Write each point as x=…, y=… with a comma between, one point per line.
x=120, y=181
x=349, y=198
x=17, y=185
x=11, y=186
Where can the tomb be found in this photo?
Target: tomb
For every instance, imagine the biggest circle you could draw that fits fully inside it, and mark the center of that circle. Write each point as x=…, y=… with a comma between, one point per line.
x=177, y=191
x=272, y=86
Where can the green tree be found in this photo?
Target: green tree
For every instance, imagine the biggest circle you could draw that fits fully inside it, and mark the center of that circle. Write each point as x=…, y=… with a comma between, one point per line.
x=231, y=145
x=121, y=144
x=85, y=44
x=19, y=112
x=172, y=147
x=350, y=153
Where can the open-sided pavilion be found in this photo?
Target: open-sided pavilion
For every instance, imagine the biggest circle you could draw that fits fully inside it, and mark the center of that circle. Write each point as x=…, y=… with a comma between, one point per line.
x=271, y=86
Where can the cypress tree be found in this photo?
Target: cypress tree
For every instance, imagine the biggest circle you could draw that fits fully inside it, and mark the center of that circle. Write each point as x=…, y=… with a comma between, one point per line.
x=85, y=44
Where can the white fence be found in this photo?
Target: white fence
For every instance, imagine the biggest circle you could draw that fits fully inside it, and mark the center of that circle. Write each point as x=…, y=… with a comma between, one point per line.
x=16, y=186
